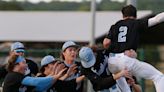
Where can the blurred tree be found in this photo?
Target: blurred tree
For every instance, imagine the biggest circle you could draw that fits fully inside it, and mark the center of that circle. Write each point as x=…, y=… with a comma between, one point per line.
x=84, y=6
x=104, y=5
x=155, y=5
x=10, y=5
x=109, y=5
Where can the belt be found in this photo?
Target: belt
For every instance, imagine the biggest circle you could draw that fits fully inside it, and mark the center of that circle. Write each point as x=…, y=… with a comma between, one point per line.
x=115, y=54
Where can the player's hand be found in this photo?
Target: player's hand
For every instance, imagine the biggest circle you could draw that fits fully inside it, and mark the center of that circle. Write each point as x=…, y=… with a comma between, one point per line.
x=131, y=81
x=72, y=70
x=125, y=73
x=69, y=72
x=131, y=53
x=80, y=78
x=59, y=74
x=106, y=43
x=122, y=73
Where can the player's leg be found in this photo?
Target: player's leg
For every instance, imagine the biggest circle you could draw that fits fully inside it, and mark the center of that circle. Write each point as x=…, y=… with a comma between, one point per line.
x=137, y=68
x=114, y=66
x=123, y=85
x=119, y=62
x=159, y=84
x=145, y=70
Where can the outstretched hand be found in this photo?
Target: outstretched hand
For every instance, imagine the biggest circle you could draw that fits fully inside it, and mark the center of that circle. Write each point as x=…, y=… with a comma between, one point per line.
x=123, y=73
x=57, y=70
x=131, y=53
x=72, y=70
x=69, y=72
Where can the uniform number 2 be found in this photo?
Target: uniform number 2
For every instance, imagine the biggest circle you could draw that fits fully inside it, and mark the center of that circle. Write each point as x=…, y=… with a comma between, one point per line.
x=122, y=34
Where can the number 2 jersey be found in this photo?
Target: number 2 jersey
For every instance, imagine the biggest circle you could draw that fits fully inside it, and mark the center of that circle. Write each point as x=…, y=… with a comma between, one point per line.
x=124, y=34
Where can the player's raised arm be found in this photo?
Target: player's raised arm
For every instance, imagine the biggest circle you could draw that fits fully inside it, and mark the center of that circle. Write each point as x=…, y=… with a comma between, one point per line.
x=155, y=20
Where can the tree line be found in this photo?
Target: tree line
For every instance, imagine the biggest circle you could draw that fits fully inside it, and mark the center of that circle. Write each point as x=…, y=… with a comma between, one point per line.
x=104, y=5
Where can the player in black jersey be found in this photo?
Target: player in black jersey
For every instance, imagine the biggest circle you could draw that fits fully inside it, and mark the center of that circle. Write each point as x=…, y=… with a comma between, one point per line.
x=124, y=35
x=95, y=68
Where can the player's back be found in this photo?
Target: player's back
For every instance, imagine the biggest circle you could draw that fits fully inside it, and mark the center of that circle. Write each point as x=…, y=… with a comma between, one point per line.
x=125, y=35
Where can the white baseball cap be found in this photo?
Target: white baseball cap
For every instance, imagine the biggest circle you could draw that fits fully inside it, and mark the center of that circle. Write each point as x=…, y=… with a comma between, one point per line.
x=87, y=57
x=17, y=45
x=47, y=59
x=68, y=44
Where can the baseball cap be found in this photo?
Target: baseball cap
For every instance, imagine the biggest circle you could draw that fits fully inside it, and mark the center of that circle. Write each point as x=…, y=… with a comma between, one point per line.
x=17, y=45
x=47, y=59
x=68, y=44
x=87, y=57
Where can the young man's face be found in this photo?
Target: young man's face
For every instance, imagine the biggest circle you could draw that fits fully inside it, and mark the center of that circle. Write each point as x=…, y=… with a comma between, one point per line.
x=70, y=53
x=23, y=66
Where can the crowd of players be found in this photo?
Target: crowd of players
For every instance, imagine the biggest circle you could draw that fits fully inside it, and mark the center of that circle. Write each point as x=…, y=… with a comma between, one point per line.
x=109, y=69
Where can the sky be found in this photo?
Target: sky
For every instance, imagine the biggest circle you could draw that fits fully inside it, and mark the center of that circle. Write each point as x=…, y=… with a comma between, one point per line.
x=37, y=1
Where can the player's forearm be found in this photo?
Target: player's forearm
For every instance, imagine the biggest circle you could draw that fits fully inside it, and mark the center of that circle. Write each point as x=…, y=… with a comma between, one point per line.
x=117, y=75
x=103, y=83
x=155, y=20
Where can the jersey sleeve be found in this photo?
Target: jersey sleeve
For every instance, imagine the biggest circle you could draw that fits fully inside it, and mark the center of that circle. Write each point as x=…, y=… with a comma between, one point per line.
x=143, y=24
x=99, y=83
x=109, y=36
x=46, y=82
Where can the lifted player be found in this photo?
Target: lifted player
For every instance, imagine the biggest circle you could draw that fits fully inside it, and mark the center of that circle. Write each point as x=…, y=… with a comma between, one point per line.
x=124, y=35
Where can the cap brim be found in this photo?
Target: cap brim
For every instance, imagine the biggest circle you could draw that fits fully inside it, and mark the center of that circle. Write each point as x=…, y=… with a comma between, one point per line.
x=48, y=63
x=76, y=46
x=21, y=48
x=88, y=64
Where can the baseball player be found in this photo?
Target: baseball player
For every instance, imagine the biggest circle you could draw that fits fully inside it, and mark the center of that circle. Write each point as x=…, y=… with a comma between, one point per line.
x=124, y=35
x=95, y=68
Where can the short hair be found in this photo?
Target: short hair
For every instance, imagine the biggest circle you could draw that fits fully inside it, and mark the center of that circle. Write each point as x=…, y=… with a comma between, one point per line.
x=129, y=10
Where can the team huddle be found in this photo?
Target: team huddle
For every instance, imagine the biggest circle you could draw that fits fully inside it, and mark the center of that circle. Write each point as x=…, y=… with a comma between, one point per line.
x=113, y=68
